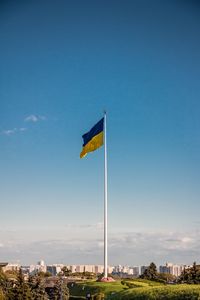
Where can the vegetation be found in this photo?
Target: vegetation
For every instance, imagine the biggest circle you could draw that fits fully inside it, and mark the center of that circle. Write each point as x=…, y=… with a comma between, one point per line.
x=15, y=287
x=153, y=286
x=172, y=292
x=66, y=272
x=150, y=273
x=140, y=289
x=191, y=275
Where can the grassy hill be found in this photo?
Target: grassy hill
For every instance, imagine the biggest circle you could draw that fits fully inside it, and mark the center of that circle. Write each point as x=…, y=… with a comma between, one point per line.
x=136, y=289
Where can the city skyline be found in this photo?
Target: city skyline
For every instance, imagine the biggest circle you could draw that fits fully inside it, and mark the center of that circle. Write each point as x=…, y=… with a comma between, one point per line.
x=120, y=270
x=62, y=64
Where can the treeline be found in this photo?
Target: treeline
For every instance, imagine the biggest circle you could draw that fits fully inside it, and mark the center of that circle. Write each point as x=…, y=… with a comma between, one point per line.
x=189, y=275
x=13, y=286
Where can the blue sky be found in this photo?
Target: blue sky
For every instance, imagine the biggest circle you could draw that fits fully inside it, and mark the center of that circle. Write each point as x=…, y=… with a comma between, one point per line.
x=62, y=64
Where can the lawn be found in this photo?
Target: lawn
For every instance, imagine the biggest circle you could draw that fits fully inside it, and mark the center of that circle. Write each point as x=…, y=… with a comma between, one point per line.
x=136, y=290
x=93, y=287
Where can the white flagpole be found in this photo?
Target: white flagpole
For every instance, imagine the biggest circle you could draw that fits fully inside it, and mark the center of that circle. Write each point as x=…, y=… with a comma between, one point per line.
x=105, y=202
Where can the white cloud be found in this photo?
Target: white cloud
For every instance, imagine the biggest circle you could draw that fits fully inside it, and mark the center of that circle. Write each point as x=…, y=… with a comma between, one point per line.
x=35, y=118
x=30, y=118
x=22, y=129
x=132, y=248
x=10, y=132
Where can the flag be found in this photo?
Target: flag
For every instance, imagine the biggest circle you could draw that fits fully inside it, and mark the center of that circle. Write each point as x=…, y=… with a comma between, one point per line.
x=93, y=139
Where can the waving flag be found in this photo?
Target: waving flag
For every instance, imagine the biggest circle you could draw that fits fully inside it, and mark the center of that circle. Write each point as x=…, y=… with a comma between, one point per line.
x=93, y=139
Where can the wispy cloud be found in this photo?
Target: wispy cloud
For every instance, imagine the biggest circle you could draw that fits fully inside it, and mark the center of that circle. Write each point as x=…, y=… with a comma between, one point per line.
x=95, y=226
x=30, y=118
x=22, y=129
x=35, y=118
x=132, y=248
x=9, y=132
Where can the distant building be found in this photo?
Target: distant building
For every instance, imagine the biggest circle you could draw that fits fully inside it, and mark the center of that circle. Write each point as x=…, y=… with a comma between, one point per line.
x=72, y=268
x=11, y=267
x=125, y=271
x=98, y=269
x=110, y=269
x=170, y=268
x=117, y=269
x=80, y=268
x=89, y=268
x=54, y=269
x=40, y=267
x=25, y=270
x=142, y=269
x=135, y=271
x=3, y=265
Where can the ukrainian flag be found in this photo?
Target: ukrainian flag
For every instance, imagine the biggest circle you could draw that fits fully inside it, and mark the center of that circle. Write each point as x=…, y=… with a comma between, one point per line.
x=93, y=139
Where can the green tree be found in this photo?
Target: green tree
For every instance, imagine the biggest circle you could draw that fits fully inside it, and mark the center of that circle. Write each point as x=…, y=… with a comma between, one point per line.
x=166, y=277
x=3, y=280
x=150, y=273
x=37, y=286
x=21, y=290
x=190, y=275
x=59, y=291
x=66, y=272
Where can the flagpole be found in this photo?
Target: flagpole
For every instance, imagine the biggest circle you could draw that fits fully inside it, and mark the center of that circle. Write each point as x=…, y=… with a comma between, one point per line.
x=105, y=200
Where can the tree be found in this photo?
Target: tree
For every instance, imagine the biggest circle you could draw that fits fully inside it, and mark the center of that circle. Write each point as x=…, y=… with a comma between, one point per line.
x=59, y=291
x=2, y=296
x=66, y=272
x=166, y=277
x=37, y=286
x=3, y=280
x=190, y=275
x=150, y=273
x=21, y=289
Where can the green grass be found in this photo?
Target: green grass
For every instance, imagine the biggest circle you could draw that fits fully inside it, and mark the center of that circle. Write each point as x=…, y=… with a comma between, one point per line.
x=93, y=287
x=174, y=292
x=137, y=290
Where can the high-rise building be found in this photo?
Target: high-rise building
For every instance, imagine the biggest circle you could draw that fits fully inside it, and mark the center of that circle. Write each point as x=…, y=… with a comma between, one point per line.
x=80, y=268
x=98, y=269
x=136, y=271
x=170, y=268
x=54, y=269
x=142, y=269
x=72, y=268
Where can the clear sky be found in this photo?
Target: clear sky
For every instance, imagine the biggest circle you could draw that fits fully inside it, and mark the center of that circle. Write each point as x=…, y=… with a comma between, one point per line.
x=61, y=64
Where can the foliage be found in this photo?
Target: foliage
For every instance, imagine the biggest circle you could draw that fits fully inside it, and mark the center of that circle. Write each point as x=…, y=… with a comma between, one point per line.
x=59, y=291
x=20, y=290
x=33, y=289
x=150, y=273
x=37, y=286
x=66, y=272
x=191, y=275
x=43, y=274
x=166, y=277
x=2, y=296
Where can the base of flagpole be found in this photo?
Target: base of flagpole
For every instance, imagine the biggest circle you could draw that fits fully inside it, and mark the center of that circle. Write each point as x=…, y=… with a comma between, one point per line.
x=108, y=279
